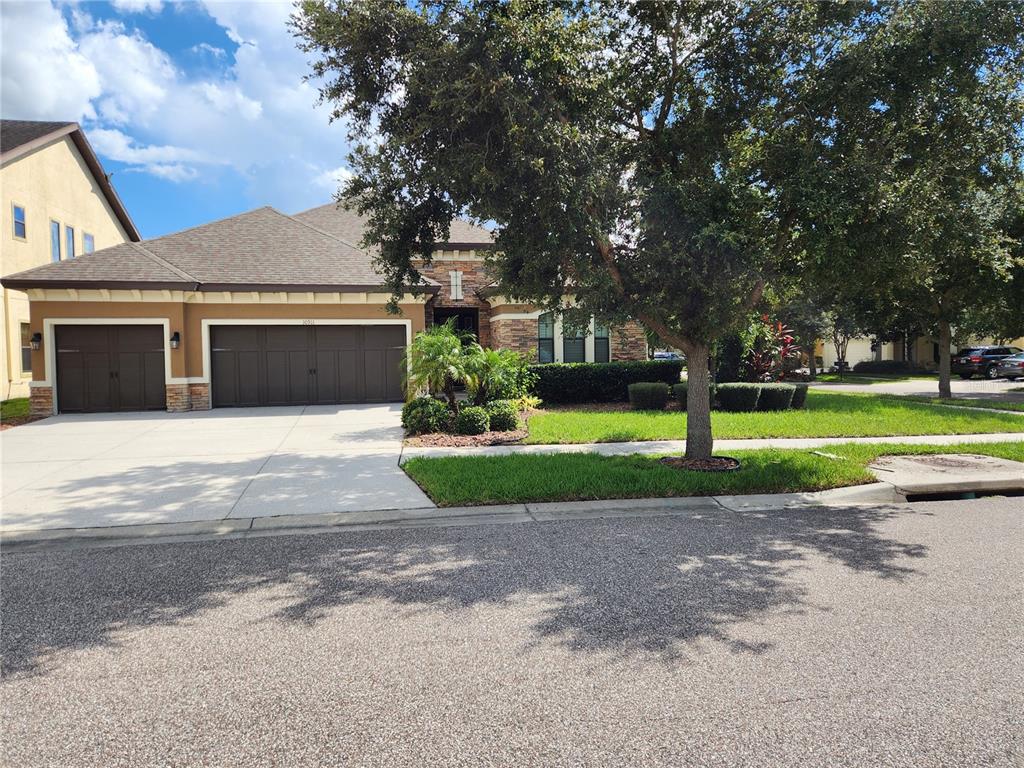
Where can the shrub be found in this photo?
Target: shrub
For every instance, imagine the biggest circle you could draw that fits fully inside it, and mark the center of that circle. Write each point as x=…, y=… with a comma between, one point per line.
x=503, y=415
x=648, y=395
x=599, y=382
x=799, y=396
x=738, y=397
x=679, y=393
x=888, y=366
x=424, y=415
x=775, y=397
x=472, y=420
x=493, y=374
x=436, y=362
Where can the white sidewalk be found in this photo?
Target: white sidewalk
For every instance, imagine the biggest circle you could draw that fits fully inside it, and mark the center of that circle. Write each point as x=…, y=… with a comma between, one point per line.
x=721, y=446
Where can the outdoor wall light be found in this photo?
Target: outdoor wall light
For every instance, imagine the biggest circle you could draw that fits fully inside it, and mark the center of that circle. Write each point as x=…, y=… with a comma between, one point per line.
x=37, y=340
x=175, y=340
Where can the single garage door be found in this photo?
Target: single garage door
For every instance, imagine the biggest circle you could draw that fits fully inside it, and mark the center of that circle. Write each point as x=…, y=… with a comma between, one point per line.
x=110, y=368
x=303, y=365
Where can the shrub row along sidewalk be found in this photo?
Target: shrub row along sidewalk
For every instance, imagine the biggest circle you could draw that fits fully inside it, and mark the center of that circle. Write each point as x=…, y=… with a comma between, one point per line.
x=471, y=480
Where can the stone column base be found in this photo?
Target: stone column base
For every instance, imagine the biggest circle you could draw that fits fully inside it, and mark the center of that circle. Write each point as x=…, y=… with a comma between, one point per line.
x=41, y=401
x=188, y=397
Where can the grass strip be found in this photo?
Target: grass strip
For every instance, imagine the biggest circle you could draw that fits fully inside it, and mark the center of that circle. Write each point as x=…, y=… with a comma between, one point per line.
x=827, y=414
x=519, y=478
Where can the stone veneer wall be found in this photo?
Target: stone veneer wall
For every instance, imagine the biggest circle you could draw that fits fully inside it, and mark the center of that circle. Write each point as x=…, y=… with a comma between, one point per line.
x=628, y=342
x=519, y=334
x=474, y=277
x=41, y=401
x=188, y=397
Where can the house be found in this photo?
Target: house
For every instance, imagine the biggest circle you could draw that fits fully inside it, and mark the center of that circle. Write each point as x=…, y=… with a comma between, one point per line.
x=264, y=308
x=57, y=204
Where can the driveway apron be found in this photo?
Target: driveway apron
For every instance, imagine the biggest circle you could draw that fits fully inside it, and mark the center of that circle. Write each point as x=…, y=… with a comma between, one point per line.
x=121, y=469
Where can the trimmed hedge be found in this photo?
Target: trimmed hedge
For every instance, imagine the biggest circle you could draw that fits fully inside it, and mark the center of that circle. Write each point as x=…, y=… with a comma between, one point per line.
x=799, y=396
x=775, y=397
x=424, y=415
x=888, y=366
x=472, y=420
x=738, y=396
x=599, y=382
x=679, y=393
x=503, y=415
x=648, y=395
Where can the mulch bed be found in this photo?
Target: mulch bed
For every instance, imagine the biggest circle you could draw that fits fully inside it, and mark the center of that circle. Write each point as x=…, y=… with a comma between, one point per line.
x=445, y=440
x=714, y=464
x=17, y=421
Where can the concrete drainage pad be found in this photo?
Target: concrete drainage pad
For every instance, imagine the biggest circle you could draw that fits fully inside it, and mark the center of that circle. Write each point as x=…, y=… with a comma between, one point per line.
x=949, y=473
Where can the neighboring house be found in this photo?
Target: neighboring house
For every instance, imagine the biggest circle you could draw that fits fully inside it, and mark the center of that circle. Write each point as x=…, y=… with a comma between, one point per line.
x=921, y=350
x=57, y=204
x=260, y=309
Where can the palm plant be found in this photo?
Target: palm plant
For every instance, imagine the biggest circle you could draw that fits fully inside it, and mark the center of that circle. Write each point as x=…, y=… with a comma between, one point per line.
x=436, y=361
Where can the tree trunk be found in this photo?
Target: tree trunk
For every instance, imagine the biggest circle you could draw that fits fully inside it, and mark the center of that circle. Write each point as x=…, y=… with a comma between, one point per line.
x=698, y=403
x=944, y=342
x=811, y=367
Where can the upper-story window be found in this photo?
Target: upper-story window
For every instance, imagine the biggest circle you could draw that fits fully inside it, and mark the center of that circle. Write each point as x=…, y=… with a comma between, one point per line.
x=88, y=244
x=546, y=338
x=602, y=349
x=456, y=285
x=69, y=242
x=54, y=241
x=20, y=230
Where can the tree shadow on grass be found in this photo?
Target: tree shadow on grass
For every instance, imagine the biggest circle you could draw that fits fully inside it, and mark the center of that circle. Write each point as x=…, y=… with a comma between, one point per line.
x=627, y=587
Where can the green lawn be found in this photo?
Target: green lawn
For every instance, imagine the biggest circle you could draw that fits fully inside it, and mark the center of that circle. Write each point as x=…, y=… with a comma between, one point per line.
x=827, y=414
x=16, y=407
x=470, y=480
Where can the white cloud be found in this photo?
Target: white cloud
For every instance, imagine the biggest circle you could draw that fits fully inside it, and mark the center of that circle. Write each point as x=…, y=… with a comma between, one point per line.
x=254, y=114
x=138, y=6
x=43, y=75
x=330, y=181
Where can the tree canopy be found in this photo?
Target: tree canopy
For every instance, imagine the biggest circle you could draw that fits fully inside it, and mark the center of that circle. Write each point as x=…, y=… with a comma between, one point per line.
x=663, y=161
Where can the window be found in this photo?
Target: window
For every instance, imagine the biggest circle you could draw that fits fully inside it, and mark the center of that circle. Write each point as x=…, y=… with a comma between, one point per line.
x=602, y=349
x=69, y=242
x=88, y=244
x=456, y=285
x=26, y=349
x=574, y=345
x=546, y=338
x=19, y=222
x=54, y=241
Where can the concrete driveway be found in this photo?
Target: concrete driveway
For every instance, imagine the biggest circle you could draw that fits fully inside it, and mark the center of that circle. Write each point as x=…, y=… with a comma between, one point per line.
x=976, y=389
x=121, y=469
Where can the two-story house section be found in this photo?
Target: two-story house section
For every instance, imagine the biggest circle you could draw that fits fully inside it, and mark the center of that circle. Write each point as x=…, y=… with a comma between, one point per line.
x=58, y=203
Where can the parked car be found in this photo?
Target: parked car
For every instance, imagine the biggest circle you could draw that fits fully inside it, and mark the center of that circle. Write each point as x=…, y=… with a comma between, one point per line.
x=669, y=355
x=1011, y=367
x=981, y=360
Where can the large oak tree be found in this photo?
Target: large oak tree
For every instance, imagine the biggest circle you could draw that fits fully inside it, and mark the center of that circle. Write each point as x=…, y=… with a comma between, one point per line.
x=663, y=161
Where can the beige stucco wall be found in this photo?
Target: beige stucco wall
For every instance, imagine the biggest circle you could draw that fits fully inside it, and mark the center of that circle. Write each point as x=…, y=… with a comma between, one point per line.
x=51, y=183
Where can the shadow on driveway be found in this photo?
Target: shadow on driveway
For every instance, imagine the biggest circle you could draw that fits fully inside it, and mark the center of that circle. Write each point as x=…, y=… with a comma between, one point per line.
x=629, y=587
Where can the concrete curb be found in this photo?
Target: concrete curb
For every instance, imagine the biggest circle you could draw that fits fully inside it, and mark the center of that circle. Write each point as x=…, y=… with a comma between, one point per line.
x=255, y=527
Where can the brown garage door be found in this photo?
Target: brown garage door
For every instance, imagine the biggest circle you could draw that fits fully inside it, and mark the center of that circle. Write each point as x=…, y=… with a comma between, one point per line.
x=302, y=365
x=110, y=368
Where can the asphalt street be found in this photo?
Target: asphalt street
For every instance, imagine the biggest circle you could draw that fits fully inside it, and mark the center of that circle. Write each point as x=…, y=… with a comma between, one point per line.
x=889, y=636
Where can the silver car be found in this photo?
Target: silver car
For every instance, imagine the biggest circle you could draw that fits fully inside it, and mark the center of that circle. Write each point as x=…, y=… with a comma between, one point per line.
x=1011, y=367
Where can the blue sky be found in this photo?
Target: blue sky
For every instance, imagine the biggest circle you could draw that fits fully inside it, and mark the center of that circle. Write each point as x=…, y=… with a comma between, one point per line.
x=198, y=109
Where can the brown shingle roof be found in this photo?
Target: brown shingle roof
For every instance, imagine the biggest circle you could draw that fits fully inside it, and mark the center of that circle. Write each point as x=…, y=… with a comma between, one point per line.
x=19, y=137
x=260, y=250
x=349, y=226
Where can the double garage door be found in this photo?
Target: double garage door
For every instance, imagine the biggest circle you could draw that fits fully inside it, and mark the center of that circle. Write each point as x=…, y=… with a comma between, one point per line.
x=121, y=367
x=300, y=365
